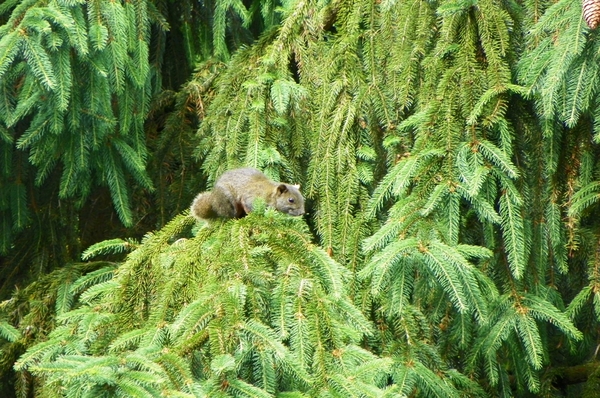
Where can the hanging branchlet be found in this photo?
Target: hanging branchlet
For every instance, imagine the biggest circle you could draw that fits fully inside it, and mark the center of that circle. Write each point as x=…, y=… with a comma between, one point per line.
x=79, y=82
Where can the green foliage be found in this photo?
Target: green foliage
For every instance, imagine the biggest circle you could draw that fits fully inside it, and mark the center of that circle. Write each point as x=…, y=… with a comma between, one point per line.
x=112, y=246
x=8, y=332
x=76, y=84
x=447, y=151
x=244, y=308
x=77, y=80
x=30, y=314
x=418, y=135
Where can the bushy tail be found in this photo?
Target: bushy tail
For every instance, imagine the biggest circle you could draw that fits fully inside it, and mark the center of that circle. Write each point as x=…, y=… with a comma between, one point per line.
x=202, y=207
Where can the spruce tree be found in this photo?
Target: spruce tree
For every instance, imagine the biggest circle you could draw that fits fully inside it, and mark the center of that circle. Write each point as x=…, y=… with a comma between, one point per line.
x=447, y=151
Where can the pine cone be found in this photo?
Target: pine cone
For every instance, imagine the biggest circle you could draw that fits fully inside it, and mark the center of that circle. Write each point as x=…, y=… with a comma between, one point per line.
x=591, y=12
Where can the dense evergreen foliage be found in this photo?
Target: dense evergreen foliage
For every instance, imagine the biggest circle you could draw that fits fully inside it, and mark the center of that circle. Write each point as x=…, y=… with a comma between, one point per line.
x=447, y=150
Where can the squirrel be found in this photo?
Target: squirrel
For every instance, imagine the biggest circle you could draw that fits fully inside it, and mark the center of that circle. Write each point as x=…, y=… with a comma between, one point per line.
x=235, y=191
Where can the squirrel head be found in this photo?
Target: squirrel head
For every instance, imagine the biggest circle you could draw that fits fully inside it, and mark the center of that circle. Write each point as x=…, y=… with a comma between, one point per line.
x=289, y=200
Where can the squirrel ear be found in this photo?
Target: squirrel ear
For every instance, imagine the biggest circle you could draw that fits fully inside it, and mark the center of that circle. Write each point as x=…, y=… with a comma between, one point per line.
x=297, y=186
x=281, y=188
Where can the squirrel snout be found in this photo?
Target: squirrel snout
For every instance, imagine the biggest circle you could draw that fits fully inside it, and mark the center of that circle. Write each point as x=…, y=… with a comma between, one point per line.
x=297, y=212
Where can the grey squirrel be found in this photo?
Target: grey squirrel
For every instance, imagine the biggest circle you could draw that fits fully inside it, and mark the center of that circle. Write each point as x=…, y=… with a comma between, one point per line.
x=235, y=191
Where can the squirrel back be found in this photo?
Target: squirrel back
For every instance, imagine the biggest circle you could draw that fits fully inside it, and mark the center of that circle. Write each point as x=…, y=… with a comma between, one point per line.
x=235, y=191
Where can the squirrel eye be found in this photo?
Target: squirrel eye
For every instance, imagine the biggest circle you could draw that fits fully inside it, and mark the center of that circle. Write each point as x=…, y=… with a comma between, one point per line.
x=291, y=200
